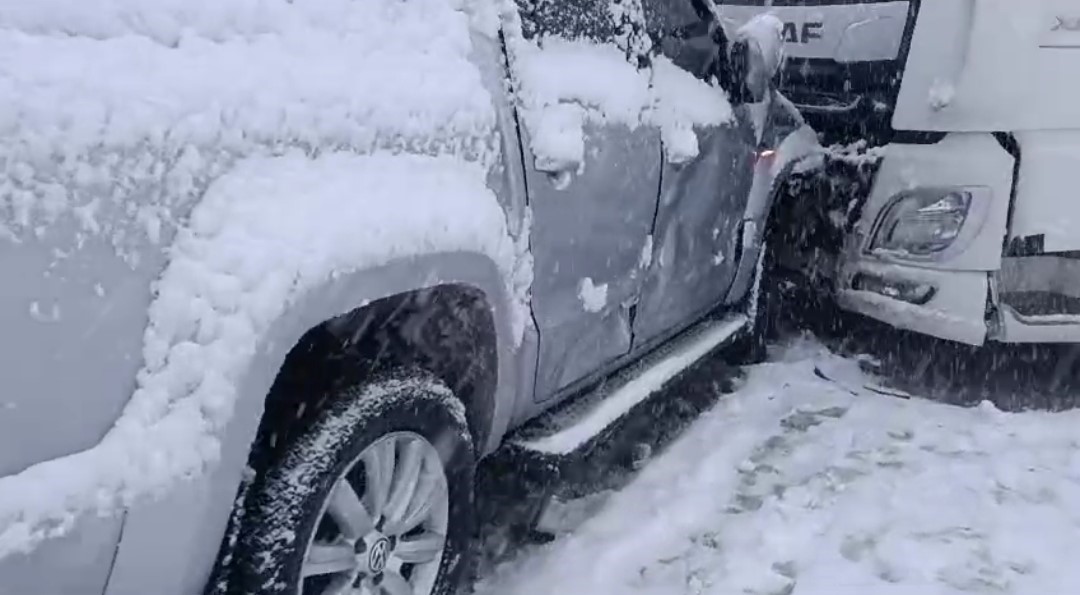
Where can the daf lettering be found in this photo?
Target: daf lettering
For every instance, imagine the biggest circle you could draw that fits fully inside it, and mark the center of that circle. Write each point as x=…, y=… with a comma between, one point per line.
x=808, y=32
x=1066, y=24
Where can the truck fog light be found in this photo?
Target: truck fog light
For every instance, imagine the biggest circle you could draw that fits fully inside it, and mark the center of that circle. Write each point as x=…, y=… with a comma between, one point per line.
x=913, y=293
x=922, y=222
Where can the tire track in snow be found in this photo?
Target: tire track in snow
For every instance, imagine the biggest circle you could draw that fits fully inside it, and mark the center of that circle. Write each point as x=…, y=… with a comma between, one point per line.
x=793, y=485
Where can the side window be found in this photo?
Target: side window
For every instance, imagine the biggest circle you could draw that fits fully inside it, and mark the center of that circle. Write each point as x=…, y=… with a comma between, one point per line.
x=682, y=34
x=577, y=71
x=570, y=19
x=621, y=22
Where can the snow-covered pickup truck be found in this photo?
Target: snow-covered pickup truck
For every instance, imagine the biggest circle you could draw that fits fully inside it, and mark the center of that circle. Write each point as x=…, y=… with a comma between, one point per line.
x=956, y=214
x=275, y=274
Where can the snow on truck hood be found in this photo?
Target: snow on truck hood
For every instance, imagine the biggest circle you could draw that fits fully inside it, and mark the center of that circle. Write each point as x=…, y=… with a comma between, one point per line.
x=168, y=21
x=96, y=89
x=215, y=106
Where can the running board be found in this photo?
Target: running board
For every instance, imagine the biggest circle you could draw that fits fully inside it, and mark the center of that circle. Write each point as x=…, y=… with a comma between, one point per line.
x=596, y=430
x=585, y=419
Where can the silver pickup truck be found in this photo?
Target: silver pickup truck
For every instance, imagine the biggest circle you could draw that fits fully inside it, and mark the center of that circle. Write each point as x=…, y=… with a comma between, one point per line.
x=276, y=274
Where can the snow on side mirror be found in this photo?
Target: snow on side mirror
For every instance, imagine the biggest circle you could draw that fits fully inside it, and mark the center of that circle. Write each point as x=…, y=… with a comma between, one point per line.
x=757, y=53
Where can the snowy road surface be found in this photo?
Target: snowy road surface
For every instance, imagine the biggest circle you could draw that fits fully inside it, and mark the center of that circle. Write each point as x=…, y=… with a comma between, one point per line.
x=795, y=485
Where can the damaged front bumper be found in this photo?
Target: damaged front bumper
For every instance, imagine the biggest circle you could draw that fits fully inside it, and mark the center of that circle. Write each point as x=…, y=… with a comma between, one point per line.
x=1029, y=300
x=927, y=254
x=945, y=304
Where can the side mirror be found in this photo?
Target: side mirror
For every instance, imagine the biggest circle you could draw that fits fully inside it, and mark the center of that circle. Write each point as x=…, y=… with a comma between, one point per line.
x=754, y=59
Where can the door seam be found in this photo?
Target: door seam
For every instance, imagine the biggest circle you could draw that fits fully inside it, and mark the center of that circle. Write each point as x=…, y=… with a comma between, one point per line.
x=652, y=236
x=528, y=200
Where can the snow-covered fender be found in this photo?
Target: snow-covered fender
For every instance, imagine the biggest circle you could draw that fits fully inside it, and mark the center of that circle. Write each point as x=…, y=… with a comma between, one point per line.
x=786, y=143
x=277, y=247
x=194, y=515
x=211, y=340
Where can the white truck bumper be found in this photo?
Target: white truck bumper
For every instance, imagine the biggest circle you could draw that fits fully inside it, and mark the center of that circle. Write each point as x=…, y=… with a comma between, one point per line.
x=947, y=304
x=973, y=289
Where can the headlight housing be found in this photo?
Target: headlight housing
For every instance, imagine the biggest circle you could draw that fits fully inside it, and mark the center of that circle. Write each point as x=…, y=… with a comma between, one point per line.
x=922, y=222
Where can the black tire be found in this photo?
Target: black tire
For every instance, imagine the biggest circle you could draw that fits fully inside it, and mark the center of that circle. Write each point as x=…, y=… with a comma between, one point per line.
x=284, y=505
x=750, y=346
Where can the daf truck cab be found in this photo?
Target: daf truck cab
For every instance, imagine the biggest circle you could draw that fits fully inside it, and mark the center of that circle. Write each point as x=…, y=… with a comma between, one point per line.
x=946, y=202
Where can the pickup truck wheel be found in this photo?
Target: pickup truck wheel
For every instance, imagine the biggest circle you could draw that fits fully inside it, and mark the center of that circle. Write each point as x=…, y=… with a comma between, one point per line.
x=749, y=347
x=376, y=497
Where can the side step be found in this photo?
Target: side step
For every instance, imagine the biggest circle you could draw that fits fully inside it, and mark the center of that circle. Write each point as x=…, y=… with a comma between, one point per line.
x=588, y=417
x=583, y=442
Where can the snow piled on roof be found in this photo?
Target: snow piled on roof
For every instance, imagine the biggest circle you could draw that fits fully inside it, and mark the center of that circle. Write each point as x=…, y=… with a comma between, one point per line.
x=139, y=104
x=169, y=21
x=229, y=278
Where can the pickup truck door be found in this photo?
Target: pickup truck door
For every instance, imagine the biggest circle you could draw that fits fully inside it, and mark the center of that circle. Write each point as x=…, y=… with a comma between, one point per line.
x=702, y=199
x=592, y=205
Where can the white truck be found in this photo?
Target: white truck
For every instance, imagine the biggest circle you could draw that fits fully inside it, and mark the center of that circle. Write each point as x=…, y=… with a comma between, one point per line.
x=952, y=208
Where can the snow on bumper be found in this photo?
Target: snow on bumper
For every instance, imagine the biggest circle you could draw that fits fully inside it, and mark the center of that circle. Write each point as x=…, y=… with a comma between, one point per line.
x=945, y=304
x=942, y=293
x=264, y=235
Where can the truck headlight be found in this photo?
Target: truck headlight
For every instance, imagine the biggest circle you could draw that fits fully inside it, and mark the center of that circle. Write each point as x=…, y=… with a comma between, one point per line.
x=922, y=222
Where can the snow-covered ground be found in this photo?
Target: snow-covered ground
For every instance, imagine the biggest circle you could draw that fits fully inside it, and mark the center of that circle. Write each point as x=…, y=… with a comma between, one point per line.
x=796, y=485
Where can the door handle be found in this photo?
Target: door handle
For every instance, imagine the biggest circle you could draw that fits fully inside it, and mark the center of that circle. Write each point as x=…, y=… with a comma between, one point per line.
x=835, y=108
x=551, y=165
x=559, y=172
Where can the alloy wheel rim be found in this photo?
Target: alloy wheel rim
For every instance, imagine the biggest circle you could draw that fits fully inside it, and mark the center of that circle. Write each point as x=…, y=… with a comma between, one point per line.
x=382, y=527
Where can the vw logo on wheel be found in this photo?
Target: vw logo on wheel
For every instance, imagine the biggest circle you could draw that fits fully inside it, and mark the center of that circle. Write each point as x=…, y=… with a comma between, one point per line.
x=380, y=551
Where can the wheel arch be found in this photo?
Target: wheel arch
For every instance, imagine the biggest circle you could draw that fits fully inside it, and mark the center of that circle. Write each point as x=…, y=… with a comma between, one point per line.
x=352, y=305
x=815, y=205
x=197, y=512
